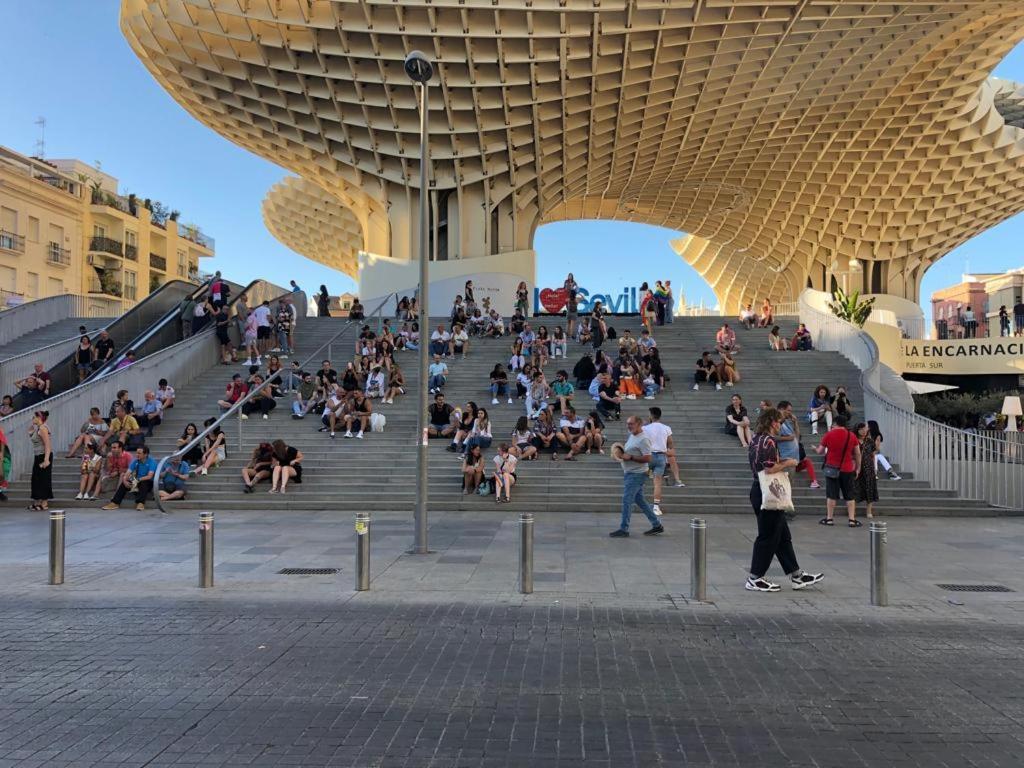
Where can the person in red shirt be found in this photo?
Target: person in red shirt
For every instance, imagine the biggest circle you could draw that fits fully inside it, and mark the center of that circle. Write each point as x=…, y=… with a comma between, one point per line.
x=235, y=391
x=842, y=452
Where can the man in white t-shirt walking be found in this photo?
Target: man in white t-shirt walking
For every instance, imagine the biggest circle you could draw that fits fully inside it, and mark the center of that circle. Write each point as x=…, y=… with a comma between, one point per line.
x=263, y=326
x=662, y=454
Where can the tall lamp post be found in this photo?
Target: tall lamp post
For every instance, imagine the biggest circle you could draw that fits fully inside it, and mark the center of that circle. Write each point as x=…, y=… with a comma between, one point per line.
x=420, y=70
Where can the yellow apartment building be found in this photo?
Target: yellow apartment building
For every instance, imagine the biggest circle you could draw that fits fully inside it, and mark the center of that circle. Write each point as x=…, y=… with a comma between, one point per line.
x=64, y=228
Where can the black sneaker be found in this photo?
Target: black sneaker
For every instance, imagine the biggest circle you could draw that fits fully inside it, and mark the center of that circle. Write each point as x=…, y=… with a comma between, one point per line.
x=619, y=534
x=451, y=449
x=655, y=531
x=761, y=585
x=806, y=580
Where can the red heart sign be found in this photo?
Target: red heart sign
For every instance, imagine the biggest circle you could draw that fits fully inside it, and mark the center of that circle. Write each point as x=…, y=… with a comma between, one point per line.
x=554, y=299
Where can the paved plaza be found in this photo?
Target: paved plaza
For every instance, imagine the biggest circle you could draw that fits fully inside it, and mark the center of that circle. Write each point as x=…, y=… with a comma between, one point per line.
x=444, y=664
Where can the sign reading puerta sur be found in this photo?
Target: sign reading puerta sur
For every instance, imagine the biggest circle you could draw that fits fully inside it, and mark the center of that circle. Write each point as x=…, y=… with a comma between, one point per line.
x=553, y=300
x=964, y=356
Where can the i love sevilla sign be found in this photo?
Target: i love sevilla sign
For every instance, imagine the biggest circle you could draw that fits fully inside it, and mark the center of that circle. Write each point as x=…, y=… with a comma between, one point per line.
x=553, y=301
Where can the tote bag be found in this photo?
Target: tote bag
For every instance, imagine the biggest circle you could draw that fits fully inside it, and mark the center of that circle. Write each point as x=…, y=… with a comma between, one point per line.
x=776, y=492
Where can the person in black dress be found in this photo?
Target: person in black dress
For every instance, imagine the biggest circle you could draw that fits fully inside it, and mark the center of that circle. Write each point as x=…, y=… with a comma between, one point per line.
x=287, y=463
x=42, y=461
x=323, y=303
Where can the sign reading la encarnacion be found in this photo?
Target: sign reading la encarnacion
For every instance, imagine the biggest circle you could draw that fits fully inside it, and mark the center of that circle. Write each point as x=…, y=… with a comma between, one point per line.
x=964, y=356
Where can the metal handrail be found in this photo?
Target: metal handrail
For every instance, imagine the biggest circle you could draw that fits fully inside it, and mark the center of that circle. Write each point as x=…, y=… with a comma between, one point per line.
x=237, y=407
x=971, y=465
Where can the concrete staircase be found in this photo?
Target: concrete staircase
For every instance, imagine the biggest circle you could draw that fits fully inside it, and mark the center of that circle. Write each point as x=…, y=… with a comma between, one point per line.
x=50, y=334
x=378, y=472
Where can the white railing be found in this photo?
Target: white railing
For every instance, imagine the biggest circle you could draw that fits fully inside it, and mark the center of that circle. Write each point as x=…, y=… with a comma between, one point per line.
x=972, y=465
x=787, y=309
x=179, y=363
x=31, y=315
x=698, y=312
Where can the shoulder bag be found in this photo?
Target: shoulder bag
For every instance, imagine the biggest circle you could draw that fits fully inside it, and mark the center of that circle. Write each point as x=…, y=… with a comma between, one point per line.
x=834, y=471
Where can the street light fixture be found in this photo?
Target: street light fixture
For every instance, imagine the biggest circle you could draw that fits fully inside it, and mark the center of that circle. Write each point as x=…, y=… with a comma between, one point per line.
x=420, y=70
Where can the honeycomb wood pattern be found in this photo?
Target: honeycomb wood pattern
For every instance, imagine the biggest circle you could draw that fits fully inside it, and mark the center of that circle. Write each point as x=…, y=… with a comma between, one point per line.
x=787, y=137
x=314, y=222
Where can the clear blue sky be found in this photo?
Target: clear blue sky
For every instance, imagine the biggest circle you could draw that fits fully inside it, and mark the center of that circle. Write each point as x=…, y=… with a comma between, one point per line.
x=66, y=60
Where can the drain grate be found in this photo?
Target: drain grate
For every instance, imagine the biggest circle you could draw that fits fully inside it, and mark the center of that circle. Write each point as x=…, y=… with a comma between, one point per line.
x=974, y=587
x=307, y=571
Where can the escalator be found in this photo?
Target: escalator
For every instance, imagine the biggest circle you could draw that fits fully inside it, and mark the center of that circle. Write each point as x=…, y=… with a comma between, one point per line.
x=131, y=325
x=153, y=325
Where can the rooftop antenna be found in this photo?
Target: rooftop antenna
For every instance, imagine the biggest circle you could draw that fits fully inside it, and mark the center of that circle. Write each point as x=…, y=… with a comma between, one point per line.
x=41, y=141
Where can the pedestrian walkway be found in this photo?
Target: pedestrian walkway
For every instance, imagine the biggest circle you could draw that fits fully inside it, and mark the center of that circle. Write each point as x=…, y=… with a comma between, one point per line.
x=125, y=556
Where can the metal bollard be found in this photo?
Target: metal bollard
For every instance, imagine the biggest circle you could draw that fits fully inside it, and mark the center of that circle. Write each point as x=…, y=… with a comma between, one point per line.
x=57, y=546
x=362, y=551
x=878, y=533
x=206, y=549
x=699, y=559
x=526, y=553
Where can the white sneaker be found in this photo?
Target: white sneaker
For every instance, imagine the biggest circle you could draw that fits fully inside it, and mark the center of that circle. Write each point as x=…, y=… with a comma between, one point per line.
x=494, y=401
x=648, y=397
x=696, y=387
x=657, y=510
x=244, y=417
x=631, y=397
x=806, y=580
x=360, y=435
x=728, y=383
x=814, y=430
x=718, y=386
x=80, y=497
x=510, y=401
x=265, y=416
x=348, y=434
x=761, y=585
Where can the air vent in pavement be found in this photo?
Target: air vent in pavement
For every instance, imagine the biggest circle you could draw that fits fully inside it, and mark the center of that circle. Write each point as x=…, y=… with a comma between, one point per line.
x=974, y=587
x=307, y=571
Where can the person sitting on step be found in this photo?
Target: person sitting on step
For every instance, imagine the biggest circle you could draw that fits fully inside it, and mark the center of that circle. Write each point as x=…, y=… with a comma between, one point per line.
x=559, y=343
x=593, y=427
x=138, y=478
x=537, y=395
x=459, y=344
x=522, y=441
x=306, y=397
x=629, y=379
x=396, y=384
x=376, y=386
x=259, y=467
x=92, y=432
x=472, y=470
x=216, y=449
x=584, y=371
x=572, y=433
x=820, y=408
x=504, y=473
x=562, y=391
x=334, y=410
x=609, y=403
x=359, y=413
x=286, y=466
x=440, y=418
x=499, y=384
x=262, y=402
x=725, y=339
x=235, y=391
x=801, y=341
x=706, y=372
x=463, y=426
x=727, y=372
x=545, y=435
x=775, y=342
x=748, y=318
x=151, y=413
x=173, y=479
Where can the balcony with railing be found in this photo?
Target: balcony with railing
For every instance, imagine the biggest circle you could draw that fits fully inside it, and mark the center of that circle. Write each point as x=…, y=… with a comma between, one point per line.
x=9, y=241
x=106, y=245
x=110, y=200
x=131, y=252
x=57, y=255
x=106, y=283
x=193, y=234
x=157, y=262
